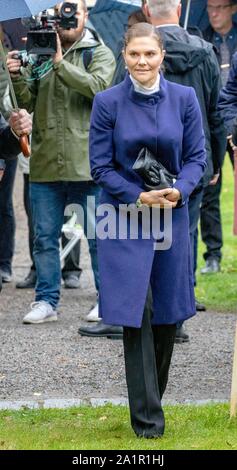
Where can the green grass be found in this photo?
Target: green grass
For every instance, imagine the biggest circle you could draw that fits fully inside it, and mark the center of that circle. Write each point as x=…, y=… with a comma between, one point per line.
x=219, y=291
x=87, y=428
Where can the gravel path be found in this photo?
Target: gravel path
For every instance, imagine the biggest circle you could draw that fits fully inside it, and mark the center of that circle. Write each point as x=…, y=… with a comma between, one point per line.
x=53, y=361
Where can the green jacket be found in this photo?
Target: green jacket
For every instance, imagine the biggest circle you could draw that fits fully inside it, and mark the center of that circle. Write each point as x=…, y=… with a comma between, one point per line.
x=62, y=102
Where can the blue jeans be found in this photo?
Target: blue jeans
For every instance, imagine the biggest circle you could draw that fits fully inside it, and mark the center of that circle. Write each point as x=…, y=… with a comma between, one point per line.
x=48, y=203
x=7, y=218
x=72, y=261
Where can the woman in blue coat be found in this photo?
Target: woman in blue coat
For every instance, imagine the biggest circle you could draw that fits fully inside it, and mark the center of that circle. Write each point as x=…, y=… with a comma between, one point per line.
x=146, y=287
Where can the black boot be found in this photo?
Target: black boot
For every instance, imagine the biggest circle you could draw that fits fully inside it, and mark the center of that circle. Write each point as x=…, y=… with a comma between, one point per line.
x=199, y=307
x=181, y=336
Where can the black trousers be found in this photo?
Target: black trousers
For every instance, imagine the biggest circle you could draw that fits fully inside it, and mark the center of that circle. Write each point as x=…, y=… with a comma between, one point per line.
x=7, y=217
x=211, y=227
x=147, y=351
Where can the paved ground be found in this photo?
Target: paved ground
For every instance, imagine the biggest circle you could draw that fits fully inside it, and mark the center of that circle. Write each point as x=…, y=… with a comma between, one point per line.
x=52, y=361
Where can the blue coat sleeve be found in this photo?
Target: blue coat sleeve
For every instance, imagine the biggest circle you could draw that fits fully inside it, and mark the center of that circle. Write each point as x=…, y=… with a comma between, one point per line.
x=193, y=152
x=103, y=168
x=228, y=97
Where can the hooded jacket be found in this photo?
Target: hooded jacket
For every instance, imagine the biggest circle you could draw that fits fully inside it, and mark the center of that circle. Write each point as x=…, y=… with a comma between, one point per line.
x=62, y=102
x=191, y=61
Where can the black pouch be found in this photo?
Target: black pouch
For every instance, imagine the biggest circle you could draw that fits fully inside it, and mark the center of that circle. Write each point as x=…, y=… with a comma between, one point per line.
x=154, y=174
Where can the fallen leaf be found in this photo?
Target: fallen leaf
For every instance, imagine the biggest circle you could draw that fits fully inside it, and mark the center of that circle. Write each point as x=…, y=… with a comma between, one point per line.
x=103, y=418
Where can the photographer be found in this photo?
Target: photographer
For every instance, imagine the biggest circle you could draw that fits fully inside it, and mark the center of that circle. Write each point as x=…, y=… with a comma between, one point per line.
x=59, y=169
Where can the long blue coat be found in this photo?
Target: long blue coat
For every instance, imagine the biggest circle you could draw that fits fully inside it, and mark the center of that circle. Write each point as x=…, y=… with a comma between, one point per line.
x=169, y=124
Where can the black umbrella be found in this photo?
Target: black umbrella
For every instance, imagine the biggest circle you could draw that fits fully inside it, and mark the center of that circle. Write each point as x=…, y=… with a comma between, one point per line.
x=11, y=9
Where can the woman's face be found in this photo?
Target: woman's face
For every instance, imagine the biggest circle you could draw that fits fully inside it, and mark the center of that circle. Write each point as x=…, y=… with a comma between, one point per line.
x=143, y=58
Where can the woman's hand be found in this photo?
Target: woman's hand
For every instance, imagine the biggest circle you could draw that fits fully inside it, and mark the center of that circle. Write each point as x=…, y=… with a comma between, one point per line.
x=233, y=146
x=174, y=196
x=167, y=198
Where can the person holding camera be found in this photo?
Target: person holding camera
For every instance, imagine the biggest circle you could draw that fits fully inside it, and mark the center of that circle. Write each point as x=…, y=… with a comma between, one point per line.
x=59, y=169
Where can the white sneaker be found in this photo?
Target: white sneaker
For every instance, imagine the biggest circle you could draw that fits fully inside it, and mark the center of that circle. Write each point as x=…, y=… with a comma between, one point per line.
x=40, y=312
x=93, y=315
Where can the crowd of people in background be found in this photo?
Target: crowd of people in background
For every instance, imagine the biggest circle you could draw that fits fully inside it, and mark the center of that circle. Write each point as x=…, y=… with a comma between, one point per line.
x=87, y=84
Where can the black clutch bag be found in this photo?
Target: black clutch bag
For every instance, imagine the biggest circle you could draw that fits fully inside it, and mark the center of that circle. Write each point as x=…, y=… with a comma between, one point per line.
x=154, y=174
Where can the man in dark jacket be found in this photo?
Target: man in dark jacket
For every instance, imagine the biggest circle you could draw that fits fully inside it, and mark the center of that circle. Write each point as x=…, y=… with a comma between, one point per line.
x=19, y=123
x=191, y=61
x=228, y=98
x=222, y=32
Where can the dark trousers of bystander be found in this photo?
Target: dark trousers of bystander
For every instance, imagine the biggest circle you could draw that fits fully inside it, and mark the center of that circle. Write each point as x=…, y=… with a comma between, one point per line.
x=7, y=218
x=211, y=226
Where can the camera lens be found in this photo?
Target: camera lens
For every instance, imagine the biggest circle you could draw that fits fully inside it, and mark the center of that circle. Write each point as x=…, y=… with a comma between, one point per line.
x=68, y=10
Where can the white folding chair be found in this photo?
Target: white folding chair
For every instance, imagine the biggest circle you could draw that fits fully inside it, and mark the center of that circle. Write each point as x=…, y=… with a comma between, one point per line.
x=73, y=232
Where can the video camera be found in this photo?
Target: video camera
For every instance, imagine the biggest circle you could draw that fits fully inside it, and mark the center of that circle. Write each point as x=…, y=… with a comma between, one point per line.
x=42, y=37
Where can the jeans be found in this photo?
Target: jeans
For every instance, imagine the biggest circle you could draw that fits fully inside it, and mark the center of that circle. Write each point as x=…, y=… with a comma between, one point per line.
x=7, y=218
x=29, y=218
x=48, y=203
x=72, y=261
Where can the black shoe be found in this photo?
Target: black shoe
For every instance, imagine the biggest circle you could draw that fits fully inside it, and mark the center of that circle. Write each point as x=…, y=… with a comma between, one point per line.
x=102, y=330
x=149, y=436
x=181, y=336
x=200, y=307
x=212, y=266
x=29, y=282
x=71, y=281
x=6, y=277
